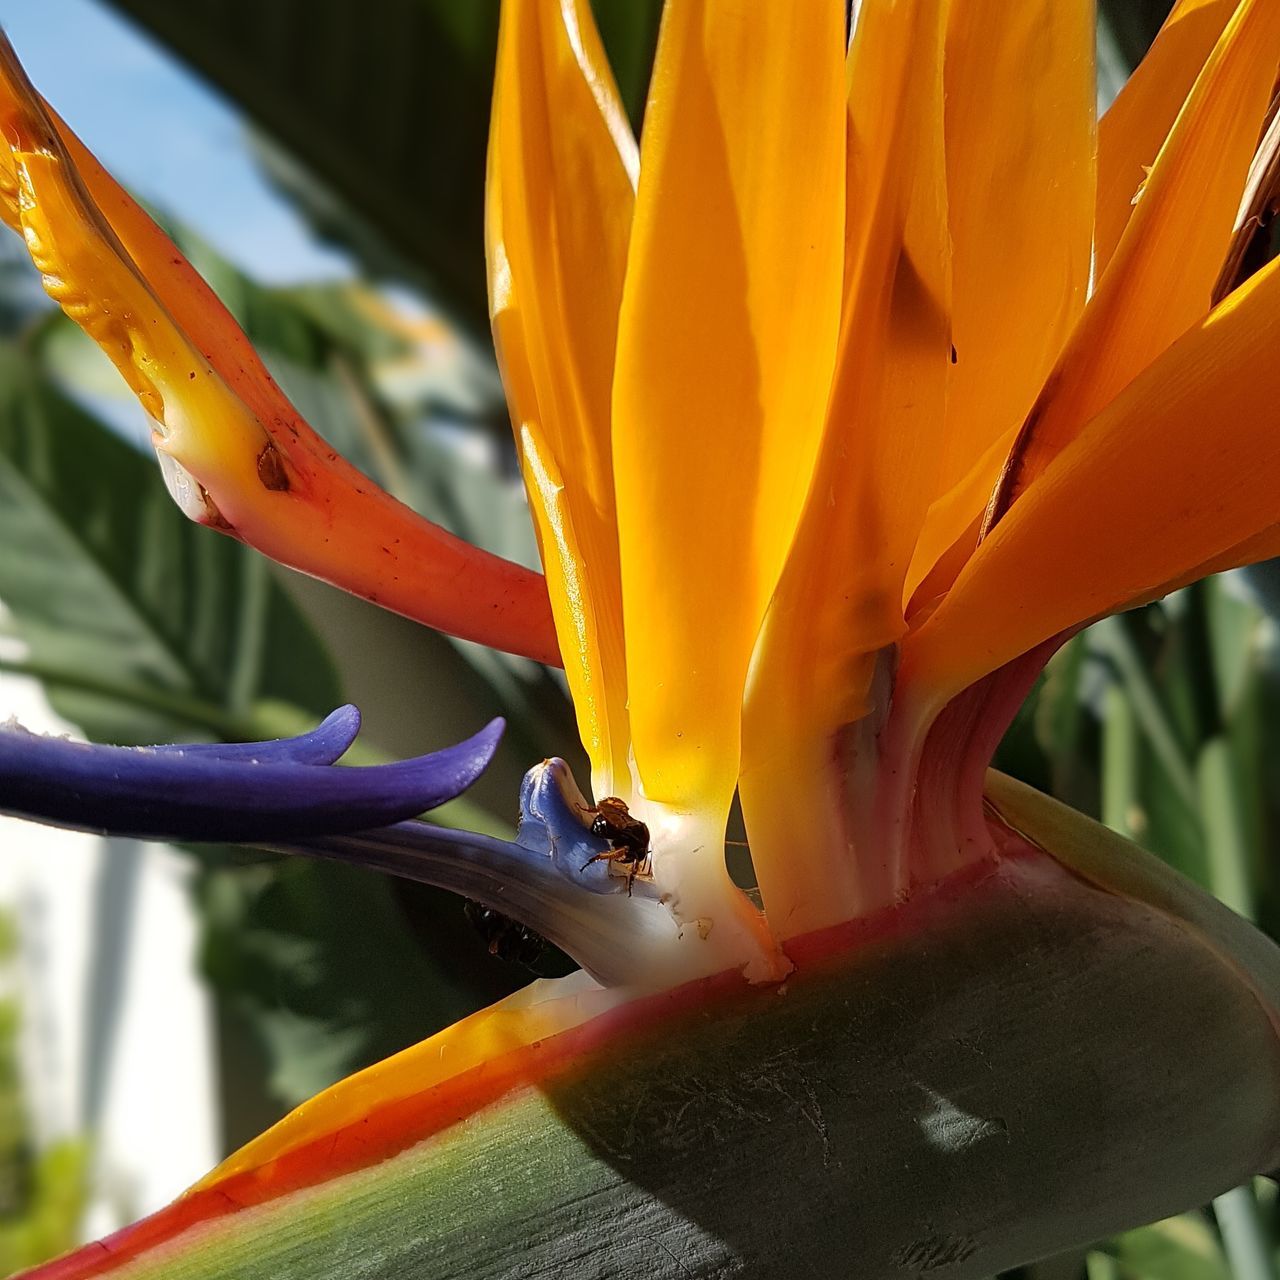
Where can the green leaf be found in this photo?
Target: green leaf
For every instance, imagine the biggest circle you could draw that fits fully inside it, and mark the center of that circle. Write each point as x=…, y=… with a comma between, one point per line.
x=384, y=103
x=1232, y=622
x=1181, y=1248
x=1245, y=1235
x=321, y=963
x=1117, y=640
x=145, y=626
x=1063, y=727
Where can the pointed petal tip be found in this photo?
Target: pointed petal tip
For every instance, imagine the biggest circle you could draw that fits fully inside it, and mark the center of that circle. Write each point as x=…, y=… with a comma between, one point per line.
x=473, y=755
x=338, y=730
x=327, y=743
x=487, y=740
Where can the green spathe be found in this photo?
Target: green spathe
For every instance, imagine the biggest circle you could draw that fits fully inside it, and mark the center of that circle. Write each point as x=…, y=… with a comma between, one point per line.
x=1066, y=1047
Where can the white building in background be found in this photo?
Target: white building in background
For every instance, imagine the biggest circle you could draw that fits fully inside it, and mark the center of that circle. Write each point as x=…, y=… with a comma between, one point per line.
x=117, y=1028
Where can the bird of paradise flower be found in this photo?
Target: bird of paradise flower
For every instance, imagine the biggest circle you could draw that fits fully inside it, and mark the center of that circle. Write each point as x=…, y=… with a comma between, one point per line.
x=869, y=377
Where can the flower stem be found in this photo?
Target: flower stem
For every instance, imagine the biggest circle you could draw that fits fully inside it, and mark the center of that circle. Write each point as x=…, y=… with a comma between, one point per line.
x=1113, y=637
x=1121, y=744
x=1226, y=845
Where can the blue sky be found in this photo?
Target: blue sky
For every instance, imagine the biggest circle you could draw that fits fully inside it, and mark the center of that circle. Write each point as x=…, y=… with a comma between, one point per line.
x=163, y=133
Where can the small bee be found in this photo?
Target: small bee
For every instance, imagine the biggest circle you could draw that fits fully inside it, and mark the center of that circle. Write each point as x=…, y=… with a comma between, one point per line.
x=628, y=837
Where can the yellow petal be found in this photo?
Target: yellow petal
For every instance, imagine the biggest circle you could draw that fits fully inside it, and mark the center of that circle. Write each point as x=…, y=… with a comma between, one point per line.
x=840, y=597
x=1020, y=193
x=1162, y=276
x=729, y=319
x=1182, y=468
x=560, y=195
x=953, y=522
x=1133, y=129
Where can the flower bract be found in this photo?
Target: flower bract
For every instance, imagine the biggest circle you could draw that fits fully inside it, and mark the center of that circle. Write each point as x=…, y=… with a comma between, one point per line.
x=873, y=370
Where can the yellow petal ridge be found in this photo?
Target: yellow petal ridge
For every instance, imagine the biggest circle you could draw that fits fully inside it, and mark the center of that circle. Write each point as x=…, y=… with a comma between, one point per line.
x=562, y=166
x=840, y=597
x=728, y=327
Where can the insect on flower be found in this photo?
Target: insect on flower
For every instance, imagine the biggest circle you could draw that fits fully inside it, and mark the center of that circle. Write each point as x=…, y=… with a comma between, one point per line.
x=628, y=837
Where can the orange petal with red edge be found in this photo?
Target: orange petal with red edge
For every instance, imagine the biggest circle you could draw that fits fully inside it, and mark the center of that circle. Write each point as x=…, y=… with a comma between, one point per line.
x=237, y=455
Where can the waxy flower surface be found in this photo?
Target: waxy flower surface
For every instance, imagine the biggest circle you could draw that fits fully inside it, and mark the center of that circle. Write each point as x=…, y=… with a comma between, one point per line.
x=876, y=369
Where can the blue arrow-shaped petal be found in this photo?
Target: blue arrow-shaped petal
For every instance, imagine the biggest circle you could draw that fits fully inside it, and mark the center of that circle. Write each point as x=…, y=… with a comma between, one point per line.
x=252, y=792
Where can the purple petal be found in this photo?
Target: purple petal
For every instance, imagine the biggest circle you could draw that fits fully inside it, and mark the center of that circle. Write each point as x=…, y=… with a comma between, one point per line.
x=326, y=743
x=205, y=795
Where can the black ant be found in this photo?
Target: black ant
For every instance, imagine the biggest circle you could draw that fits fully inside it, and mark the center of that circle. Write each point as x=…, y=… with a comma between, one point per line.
x=628, y=837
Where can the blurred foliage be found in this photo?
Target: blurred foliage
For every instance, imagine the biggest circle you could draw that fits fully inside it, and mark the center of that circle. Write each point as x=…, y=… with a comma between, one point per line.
x=1132, y=24
x=1164, y=724
x=319, y=961
x=1183, y=1248
x=147, y=628
x=42, y=1189
x=143, y=627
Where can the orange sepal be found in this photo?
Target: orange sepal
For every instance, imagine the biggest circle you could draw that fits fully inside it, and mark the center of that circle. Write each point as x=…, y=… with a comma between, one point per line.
x=240, y=457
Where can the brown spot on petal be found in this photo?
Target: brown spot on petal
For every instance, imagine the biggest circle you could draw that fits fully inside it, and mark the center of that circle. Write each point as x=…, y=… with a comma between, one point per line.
x=271, y=470
x=1010, y=484
x=1250, y=248
x=214, y=519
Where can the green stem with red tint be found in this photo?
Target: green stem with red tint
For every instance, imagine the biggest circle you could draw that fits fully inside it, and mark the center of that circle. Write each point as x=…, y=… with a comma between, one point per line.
x=984, y=1050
